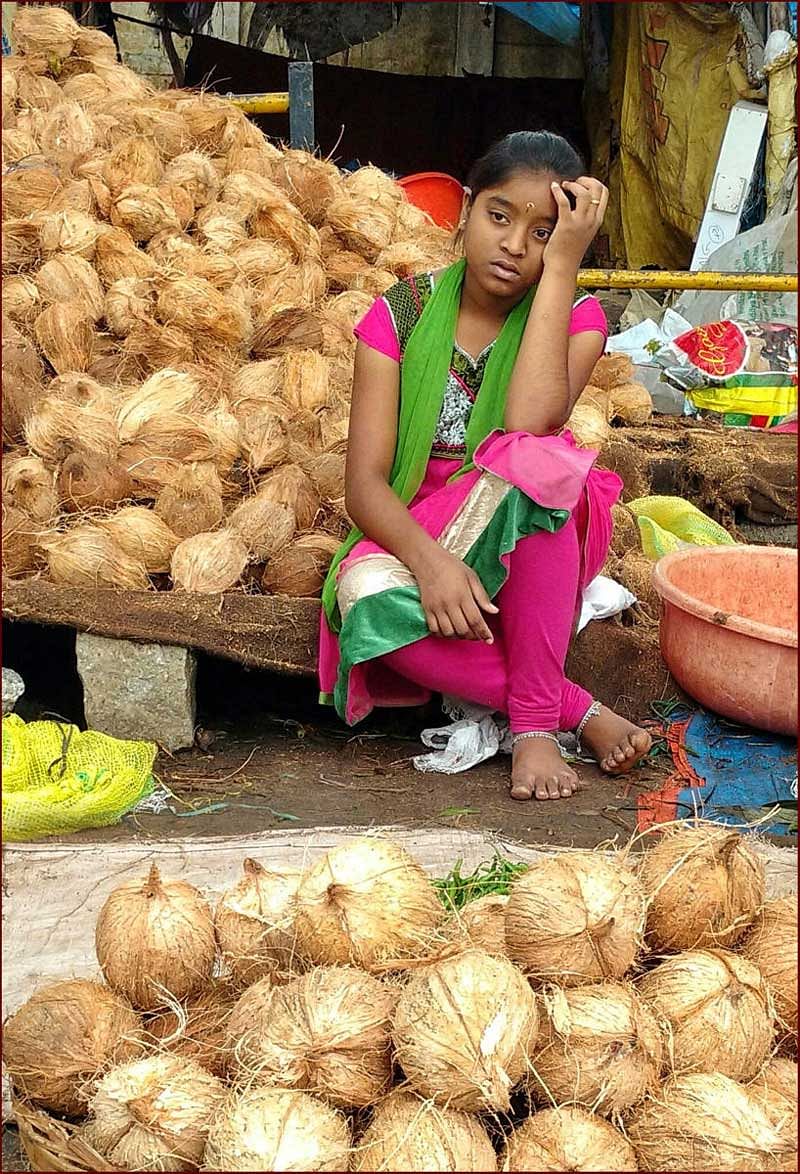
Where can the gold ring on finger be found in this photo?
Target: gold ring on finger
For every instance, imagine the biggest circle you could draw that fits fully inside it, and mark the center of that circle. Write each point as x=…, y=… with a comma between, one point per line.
x=594, y=201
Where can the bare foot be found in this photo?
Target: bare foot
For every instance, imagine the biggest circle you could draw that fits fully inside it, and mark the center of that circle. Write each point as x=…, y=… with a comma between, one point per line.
x=539, y=772
x=616, y=743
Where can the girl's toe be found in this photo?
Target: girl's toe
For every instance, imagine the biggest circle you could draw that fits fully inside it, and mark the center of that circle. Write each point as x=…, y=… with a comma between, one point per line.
x=553, y=789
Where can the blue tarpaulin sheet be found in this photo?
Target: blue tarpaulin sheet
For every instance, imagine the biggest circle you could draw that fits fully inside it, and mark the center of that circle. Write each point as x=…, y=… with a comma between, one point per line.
x=729, y=774
x=562, y=22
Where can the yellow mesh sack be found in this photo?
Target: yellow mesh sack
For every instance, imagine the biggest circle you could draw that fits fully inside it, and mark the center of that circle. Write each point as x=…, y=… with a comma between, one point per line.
x=58, y=780
x=667, y=524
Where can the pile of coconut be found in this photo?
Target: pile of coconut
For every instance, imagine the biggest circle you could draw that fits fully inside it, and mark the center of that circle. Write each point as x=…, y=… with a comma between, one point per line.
x=611, y=1011
x=178, y=302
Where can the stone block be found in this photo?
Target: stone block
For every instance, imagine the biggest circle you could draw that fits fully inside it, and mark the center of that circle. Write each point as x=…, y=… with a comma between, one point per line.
x=133, y=690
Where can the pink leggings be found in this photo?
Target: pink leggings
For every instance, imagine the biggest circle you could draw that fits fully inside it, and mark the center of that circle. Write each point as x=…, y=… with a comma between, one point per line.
x=522, y=673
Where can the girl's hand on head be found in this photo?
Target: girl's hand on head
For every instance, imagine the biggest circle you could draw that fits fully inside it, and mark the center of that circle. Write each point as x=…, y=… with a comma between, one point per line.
x=576, y=227
x=454, y=600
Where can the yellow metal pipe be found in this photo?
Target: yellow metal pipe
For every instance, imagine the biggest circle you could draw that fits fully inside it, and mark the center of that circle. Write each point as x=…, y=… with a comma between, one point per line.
x=680, y=279
x=260, y=103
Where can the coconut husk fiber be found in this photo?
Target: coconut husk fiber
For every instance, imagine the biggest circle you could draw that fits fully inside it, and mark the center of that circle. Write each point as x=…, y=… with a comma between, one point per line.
x=146, y=233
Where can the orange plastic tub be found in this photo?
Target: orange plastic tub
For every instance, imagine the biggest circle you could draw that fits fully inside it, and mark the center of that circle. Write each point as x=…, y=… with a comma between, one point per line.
x=729, y=630
x=437, y=194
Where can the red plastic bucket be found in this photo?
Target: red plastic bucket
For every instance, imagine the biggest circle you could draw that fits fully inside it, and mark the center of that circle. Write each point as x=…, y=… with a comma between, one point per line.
x=437, y=194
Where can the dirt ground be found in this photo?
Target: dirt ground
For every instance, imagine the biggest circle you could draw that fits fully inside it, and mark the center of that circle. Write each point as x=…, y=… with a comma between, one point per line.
x=273, y=757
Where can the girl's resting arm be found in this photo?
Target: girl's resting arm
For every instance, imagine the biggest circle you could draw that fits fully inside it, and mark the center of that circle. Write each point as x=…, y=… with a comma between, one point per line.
x=553, y=368
x=452, y=595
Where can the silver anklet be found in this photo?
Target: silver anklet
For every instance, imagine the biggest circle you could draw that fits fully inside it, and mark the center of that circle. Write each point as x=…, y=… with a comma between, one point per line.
x=592, y=711
x=535, y=734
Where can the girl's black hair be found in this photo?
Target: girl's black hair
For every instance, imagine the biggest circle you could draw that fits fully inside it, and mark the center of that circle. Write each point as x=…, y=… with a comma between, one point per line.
x=525, y=150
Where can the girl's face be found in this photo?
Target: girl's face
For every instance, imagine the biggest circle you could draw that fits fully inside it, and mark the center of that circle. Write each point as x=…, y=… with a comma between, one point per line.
x=508, y=226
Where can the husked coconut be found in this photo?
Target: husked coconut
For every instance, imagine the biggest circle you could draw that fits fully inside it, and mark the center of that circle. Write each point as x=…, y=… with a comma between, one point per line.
x=155, y=939
x=62, y=1037
x=254, y=924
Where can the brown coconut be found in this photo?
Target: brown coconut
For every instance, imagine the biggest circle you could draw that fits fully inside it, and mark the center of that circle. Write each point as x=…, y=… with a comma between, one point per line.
x=153, y=1113
x=589, y=426
x=771, y=945
x=262, y=380
x=166, y=391
x=193, y=304
x=304, y=284
x=704, y=887
x=180, y=199
x=374, y=281
x=116, y=256
x=409, y=1133
x=404, y=259
x=28, y=486
x=66, y=132
x=189, y=505
x=363, y=225
x=775, y=1089
x=263, y=435
x=70, y=231
x=464, y=1029
x=142, y=212
x=134, y=160
x=599, y=1046
x=21, y=298
x=155, y=939
x=365, y=902
x=64, y=334
x=142, y=535
x=293, y=328
x=68, y=278
x=94, y=45
x=21, y=244
x=27, y=190
x=88, y=480
x=58, y=426
x=300, y=569
x=481, y=923
x=87, y=556
x=567, y=1138
x=195, y=172
x=311, y=183
x=129, y=302
x=51, y=31
x=254, y=924
x=631, y=404
x=150, y=348
x=291, y=487
x=326, y=1032
x=611, y=371
x=705, y=1121
x=258, y=1127
x=716, y=1010
x=18, y=533
x=196, y=1028
x=258, y=260
x=265, y=526
x=63, y=1037
x=305, y=379
x=209, y=562
x=575, y=918
x=77, y=196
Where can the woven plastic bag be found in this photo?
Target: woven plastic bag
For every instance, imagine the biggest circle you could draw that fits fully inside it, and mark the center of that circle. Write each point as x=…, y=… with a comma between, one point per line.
x=58, y=780
x=671, y=523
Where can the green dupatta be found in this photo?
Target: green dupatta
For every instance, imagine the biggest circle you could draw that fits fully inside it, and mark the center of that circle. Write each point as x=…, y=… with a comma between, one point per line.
x=423, y=379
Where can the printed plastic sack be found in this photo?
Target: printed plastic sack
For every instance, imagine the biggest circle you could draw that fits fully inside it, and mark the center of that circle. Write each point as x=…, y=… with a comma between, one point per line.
x=58, y=780
x=667, y=524
x=749, y=368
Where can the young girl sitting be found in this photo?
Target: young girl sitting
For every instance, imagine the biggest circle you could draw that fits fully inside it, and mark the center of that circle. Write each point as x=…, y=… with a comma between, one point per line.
x=478, y=520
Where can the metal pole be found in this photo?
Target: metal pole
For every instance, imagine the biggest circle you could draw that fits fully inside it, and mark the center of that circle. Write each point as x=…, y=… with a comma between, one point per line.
x=301, y=104
x=679, y=279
